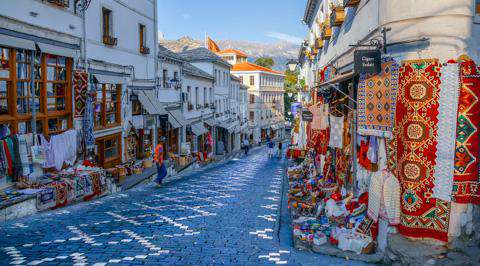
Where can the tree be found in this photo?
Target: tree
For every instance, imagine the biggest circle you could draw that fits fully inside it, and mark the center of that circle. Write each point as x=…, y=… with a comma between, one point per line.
x=265, y=62
x=291, y=80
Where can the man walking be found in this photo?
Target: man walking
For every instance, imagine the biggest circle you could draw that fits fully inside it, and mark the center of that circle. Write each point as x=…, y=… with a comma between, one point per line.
x=161, y=169
x=270, y=146
x=246, y=145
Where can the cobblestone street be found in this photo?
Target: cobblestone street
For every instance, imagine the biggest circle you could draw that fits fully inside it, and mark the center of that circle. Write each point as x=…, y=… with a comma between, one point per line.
x=225, y=214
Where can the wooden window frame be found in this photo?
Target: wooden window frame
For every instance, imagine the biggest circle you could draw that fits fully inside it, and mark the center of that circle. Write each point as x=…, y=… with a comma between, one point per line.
x=103, y=112
x=252, y=81
x=111, y=161
x=477, y=7
x=107, y=22
x=14, y=118
x=141, y=36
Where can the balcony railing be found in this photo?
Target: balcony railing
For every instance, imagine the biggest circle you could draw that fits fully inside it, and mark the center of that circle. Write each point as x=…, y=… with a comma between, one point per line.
x=109, y=40
x=144, y=50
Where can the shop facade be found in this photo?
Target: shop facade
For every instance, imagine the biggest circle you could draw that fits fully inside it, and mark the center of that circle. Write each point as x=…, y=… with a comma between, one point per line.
x=363, y=127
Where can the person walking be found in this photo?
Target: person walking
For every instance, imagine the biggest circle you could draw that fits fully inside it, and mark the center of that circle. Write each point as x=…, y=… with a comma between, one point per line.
x=270, y=146
x=246, y=145
x=161, y=168
x=280, y=147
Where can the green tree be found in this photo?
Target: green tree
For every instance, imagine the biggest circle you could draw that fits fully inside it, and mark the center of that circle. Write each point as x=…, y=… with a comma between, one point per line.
x=265, y=62
x=291, y=80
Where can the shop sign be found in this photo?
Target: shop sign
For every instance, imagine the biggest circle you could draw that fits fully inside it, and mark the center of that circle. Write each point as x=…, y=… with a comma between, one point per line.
x=307, y=115
x=367, y=61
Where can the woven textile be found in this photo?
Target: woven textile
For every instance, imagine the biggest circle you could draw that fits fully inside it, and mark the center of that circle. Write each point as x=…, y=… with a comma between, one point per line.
x=466, y=185
x=88, y=123
x=423, y=216
x=447, y=113
x=81, y=85
x=336, y=132
x=319, y=140
x=376, y=100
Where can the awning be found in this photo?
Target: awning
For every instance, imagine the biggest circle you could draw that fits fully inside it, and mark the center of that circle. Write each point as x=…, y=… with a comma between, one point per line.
x=150, y=102
x=198, y=129
x=14, y=42
x=107, y=79
x=230, y=127
x=210, y=122
x=176, y=119
x=56, y=50
x=337, y=79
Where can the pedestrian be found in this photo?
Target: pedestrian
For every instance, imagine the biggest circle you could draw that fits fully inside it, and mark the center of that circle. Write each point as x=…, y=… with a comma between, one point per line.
x=270, y=146
x=161, y=168
x=280, y=147
x=246, y=145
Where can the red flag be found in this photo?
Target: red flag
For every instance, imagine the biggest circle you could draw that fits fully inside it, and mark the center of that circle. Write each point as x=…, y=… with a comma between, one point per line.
x=212, y=46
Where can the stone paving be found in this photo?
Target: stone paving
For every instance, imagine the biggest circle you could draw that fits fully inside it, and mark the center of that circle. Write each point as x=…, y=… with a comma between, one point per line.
x=226, y=214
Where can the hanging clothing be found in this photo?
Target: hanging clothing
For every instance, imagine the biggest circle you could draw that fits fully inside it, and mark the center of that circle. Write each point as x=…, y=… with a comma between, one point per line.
x=336, y=132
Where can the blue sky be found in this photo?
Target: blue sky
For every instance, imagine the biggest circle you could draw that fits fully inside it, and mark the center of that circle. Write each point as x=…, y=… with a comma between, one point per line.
x=248, y=20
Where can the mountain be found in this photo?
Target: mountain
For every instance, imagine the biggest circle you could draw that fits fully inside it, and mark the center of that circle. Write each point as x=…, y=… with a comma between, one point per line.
x=281, y=52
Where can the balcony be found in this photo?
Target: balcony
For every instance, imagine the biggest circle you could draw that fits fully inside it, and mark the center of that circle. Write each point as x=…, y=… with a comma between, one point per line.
x=326, y=31
x=58, y=3
x=144, y=50
x=351, y=3
x=319, y=43
x=109, y=40
x=337, y=17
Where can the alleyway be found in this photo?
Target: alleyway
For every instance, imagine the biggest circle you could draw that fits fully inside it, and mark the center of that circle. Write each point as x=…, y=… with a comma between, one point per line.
x=226, y=214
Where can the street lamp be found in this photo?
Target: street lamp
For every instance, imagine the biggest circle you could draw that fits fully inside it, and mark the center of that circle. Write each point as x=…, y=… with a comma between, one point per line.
x=292, y=64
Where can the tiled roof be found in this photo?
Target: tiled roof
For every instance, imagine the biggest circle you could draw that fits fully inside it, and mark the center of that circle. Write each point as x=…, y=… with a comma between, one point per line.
x=233, y=51
x=203, y=54
x=195, y=71
x=247, y=66
x=166, y=53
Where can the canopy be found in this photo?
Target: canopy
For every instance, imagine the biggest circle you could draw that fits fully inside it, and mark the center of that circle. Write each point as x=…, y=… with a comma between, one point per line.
x=198, y=129
x=150, y=102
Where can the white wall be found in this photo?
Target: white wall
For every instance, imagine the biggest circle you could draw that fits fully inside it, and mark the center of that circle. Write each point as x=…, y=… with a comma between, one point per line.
x=200, y=83
x=126, y=17
x=169, y=95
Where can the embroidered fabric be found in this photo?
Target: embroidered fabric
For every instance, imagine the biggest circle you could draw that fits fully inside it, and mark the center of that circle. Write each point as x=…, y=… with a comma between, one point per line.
x=447, y=112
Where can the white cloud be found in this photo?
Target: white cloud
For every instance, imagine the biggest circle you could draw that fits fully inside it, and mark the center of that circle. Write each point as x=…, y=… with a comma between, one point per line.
x=186, y=16
x=284, y=37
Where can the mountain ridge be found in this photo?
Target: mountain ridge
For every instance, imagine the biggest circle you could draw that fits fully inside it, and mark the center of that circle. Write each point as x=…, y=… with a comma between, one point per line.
x=280, y=51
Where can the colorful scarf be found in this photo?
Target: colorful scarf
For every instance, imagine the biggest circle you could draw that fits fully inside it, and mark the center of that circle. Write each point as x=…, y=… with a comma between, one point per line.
x=376, y=101
x=466, y=182
x=423, y=216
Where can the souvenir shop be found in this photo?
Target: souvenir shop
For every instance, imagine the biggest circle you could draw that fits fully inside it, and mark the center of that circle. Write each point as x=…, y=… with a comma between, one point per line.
x=385, y=153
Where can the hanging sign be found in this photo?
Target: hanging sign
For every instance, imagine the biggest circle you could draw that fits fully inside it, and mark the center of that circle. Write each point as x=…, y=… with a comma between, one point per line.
x=367, y=61
x=307, y=116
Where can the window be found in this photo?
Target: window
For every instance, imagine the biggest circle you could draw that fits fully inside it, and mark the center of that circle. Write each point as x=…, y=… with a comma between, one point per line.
x=205, y=97
x=241, y=79
x=107, y=106
x=216, y=78
x=196, y=97
x=109, y=148
x=142, y=39
x=252, y=98
x=252, y=115
x=252, y=80
x=52, y=91
x=175, y=75
x=477, y=7
x=211, y=95
x=107, y=22
x=165, y=78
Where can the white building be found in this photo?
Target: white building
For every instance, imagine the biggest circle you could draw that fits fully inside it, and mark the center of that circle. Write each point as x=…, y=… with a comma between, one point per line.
x=266, y=100
x=214, y=65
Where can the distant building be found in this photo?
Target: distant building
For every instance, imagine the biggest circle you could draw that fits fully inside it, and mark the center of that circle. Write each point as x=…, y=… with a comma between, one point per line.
x=266, y=100
x=233, y=56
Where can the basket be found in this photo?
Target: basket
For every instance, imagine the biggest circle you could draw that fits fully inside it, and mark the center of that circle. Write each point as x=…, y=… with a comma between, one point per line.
x=147, y=163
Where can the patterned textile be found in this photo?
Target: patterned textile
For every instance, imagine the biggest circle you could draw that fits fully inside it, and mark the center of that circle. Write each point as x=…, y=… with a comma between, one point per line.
x=423, y=216
x=368, y=227
x=376, y=101
x=392, y=153
x=336, y=132
x=319, y=140
x=466, y=182
x=320, y=116
x=341, y=166
x=88, y=123
x=80, y=80
x=46, y=199
x=447, y=113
